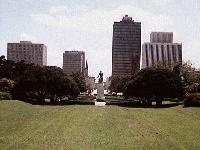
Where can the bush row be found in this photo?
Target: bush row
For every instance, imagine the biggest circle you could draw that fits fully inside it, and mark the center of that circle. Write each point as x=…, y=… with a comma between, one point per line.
x=5, y=96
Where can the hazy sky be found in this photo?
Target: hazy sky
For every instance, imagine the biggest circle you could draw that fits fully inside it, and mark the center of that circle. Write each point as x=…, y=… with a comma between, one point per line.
x=87, y=25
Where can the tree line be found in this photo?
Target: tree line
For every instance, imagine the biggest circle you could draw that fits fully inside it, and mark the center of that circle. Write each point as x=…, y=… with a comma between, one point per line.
x=159, y=82
x=28, y=81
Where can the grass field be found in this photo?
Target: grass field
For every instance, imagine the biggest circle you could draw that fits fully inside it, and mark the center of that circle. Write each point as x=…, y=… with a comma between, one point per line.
x=26, y=126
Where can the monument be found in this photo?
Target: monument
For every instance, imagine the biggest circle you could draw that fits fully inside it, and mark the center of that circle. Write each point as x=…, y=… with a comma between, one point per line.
x=100, y=99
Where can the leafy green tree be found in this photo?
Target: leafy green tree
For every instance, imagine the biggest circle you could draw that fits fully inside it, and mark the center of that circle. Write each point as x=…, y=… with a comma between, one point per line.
x=190, y=78
x=80, y=80
x=31, y=84
x=63, y=84
x=154, y=83
x=118, y=84
x=7, y=68
x=6, y=85
x=5, y=96
x=35, y=82
x=71, y=88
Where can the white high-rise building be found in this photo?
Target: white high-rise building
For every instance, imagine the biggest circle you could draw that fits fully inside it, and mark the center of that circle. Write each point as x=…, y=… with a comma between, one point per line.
x=161, y=49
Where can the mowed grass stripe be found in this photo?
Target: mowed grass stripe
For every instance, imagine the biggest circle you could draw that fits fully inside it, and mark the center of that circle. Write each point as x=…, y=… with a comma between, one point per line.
x=28, y=125
x=90, y=127
x=153, y=123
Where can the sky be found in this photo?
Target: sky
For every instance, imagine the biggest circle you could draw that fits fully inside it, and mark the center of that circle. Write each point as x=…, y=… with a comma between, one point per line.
x=87, y=25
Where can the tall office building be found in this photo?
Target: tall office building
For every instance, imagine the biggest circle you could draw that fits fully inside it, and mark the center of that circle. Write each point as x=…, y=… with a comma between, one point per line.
x=28, y=52
x=161, y=50
x=126, y=47
x=86, y=69
x=73, y=62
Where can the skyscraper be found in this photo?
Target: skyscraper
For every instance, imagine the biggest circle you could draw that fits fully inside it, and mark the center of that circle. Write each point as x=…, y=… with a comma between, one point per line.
x=73, y=62
x=28, y=52
x=86, y=69
x=161, y=50
x=126, y=47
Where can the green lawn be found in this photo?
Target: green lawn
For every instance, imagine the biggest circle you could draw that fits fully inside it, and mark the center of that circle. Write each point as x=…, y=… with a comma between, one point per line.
x=26, y=126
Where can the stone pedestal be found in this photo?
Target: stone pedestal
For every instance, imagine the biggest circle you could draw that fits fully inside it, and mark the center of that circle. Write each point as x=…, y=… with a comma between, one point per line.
x=100, y=93
x=100, y=103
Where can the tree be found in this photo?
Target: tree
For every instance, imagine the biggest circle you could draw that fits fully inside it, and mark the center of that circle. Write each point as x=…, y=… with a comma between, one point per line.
x=63, y=84
x=6, y=85
x=7, y=68
x=118, y=84
x=35, y=82
x=154, y=83
x=11, y=70
x=190, y=78
x=72, y=89
x=31, y=84
x=80, y=81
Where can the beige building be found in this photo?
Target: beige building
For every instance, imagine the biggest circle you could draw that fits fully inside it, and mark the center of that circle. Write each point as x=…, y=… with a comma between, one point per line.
x=126, y=47
x=28, y=52
x=73, y=62
x=161, y=49
x=161, y=37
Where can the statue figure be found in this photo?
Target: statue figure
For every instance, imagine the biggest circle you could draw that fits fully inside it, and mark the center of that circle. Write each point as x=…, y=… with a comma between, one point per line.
x=100, y=76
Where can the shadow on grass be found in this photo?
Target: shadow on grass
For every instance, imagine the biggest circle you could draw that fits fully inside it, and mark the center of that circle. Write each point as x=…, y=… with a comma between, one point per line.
x=139, y=105
x=61, y=103
x=122, y=103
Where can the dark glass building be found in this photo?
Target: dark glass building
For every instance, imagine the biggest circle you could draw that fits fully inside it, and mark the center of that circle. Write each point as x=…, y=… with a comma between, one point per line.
x=126, y=47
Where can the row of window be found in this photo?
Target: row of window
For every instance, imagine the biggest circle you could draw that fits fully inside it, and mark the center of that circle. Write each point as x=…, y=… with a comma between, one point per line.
x=163, y=58
x=24, y=46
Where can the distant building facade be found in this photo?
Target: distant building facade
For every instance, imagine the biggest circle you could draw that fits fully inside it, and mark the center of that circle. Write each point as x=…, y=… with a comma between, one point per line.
x=161, y=50
x=73, y=62
x=86, y=69
x=126, y=47
x=28, y=52
x=161, y=37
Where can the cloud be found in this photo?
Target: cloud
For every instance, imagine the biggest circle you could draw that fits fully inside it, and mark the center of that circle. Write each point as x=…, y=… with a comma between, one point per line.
x=91, y=30
x=58, y=10
x=163, y=2
x=87, y=25
x=16, y=1
x=27, y=37
x=191, y=50
x=3, y=50
x=98, y=21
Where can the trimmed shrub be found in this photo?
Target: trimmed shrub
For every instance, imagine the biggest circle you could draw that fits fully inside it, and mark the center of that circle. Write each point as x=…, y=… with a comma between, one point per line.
x=192, y=100
x=5, y=96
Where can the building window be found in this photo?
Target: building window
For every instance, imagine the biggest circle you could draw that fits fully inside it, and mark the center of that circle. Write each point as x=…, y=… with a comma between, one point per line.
x=162, y=53
x=152, y=56
x=157, y=53
x=173, y=53
x=180, y=53
x=146, y=50
x=168, y=55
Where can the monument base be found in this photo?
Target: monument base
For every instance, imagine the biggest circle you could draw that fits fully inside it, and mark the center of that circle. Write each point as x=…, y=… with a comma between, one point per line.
x=100, y=93
x=100, y=103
